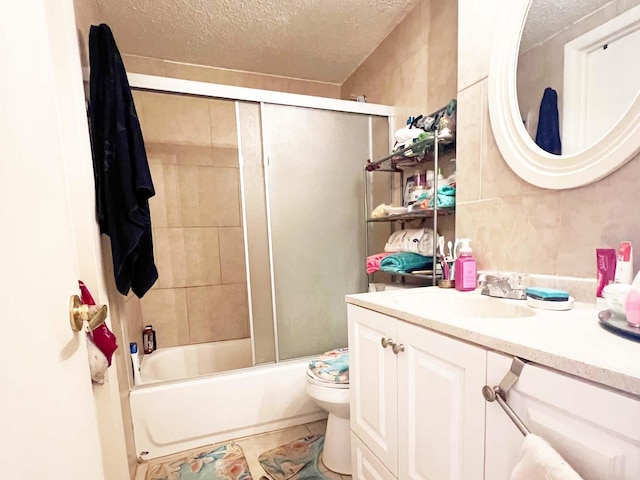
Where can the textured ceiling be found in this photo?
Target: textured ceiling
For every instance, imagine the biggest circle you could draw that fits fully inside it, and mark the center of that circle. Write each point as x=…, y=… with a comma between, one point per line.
x=323, y=40
x=547, y=17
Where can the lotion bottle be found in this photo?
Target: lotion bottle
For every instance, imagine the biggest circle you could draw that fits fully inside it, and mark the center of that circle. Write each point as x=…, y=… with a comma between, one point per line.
x=135, y=363
x=465, y=268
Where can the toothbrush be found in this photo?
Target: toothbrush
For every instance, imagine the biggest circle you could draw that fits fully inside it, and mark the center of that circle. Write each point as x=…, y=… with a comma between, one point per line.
x=450, y=248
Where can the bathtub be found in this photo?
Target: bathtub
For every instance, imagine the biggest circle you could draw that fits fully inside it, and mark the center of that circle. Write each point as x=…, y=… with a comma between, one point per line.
x=180, y=415
x=188, y=361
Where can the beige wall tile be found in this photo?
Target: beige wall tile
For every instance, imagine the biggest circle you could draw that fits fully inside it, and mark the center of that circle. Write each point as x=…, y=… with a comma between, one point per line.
x=165, y=209
x=498, y=180
x=200, y=155
x=218, y=313
x=469, y=141
x=169, y=118
x=600, y=215
x=442, y=72
x=209, y=196
x=224, y=156
x=202, y=254
x=232, y=259
x=166, y=310
x=519, y=233
x=187, y=257
x=223, y=123
x=162, y=153
x=477, y=22
x=170, y=255
x=146, y=65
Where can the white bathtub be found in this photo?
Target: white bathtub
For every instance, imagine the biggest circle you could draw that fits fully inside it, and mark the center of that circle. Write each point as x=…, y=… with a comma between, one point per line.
x=189, y=361
x=174, y=416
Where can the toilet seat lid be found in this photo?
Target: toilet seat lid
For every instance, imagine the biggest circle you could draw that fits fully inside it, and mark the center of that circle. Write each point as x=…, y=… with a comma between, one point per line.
x=331, y=367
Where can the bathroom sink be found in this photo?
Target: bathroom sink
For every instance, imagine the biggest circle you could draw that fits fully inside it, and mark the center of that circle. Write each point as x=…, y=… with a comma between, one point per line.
x=462, y=305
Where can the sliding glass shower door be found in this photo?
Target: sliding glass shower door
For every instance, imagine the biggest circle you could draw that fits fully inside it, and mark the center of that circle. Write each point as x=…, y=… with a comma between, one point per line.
x=314, y=160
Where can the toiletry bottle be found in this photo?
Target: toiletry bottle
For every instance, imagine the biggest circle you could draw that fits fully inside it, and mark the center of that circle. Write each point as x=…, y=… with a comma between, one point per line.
x=624, y=264
x=465, y=268
x=135, y=363
x=149, y=339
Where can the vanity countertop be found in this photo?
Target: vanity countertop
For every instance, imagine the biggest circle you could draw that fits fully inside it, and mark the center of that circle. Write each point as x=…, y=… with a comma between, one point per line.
x=569, y=341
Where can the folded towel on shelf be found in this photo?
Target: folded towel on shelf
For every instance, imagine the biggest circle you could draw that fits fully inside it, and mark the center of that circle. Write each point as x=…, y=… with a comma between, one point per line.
x=540, y=461
x=373, y=262
x=405, y=262
x=414, y=240
x=446, y=198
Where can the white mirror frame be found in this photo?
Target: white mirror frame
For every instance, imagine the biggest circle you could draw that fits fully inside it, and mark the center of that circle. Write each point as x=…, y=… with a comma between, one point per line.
x=523, y=156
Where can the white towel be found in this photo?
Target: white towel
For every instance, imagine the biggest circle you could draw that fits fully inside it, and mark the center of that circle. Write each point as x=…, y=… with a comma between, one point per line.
x=414, y=240
x=541, y=462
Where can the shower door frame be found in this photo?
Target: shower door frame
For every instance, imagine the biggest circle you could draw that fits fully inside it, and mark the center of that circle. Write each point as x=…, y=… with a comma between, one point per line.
x=157, y=84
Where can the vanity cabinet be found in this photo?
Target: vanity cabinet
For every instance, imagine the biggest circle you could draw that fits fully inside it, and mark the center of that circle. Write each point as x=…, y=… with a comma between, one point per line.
x=595, y=429
x=416, y=409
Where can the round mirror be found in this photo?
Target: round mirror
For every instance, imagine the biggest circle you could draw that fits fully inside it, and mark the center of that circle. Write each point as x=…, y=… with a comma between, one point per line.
x=563, y=90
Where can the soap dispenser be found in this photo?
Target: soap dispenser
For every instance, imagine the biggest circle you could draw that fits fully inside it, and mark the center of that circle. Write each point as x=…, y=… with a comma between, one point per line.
x=465, y=268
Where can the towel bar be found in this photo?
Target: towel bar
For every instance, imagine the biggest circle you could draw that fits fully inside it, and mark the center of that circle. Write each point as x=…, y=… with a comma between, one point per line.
x=499, y=393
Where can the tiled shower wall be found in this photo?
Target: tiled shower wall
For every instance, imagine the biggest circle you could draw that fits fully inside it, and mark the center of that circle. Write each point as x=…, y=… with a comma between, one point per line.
x=201, y=293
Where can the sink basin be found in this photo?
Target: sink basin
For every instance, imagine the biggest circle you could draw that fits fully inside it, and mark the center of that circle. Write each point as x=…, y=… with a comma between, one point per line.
x=462, y=305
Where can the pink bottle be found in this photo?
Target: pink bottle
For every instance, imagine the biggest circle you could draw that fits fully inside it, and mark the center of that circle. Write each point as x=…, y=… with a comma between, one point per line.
x=465, y=268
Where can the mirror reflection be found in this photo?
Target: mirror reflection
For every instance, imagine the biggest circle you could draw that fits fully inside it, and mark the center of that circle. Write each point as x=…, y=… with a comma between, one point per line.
x=578, y=70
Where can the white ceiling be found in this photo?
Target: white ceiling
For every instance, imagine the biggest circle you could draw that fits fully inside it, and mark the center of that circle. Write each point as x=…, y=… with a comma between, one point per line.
x=548, y=17
x=322, y=40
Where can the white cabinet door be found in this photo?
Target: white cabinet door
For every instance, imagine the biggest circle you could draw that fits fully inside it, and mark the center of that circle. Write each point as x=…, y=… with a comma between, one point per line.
x=441, y=420
x=373, y=383
x=594, y=428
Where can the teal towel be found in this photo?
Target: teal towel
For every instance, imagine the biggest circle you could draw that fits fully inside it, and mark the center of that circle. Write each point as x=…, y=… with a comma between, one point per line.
x=446, y=197
x=405, y=262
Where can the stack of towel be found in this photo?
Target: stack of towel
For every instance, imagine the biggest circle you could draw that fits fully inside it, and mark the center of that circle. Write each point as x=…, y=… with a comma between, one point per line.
x=414, y=240
x=405, y=251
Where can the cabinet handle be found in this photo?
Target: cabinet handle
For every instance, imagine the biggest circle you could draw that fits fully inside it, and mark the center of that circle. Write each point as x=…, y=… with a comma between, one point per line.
x=397, y=348
x=385, y=342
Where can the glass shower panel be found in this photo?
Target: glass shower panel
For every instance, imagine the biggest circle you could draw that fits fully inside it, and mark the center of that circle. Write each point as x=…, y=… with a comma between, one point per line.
x=201, y=293
x=315, y=176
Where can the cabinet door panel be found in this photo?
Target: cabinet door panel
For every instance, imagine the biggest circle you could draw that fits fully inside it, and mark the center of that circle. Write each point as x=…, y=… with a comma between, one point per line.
x=364, y=463
x=441, y=425
x=374, y=400
x=595, y=429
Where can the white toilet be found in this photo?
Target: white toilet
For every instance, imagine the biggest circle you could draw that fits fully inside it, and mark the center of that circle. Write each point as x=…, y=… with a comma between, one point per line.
x=328, y=386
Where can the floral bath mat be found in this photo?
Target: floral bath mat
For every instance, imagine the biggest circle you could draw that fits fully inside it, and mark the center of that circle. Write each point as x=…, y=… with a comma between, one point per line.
x=222, y=463
x=298, y=460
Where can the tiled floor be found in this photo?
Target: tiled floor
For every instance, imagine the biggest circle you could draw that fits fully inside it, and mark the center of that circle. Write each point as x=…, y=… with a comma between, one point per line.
x=258, y=444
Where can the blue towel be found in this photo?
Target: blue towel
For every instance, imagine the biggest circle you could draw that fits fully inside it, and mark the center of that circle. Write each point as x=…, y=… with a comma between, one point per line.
x=405, y=262
x=548, y=134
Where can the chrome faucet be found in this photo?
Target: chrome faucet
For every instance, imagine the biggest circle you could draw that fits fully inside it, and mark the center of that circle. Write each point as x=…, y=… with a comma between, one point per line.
x=505, y=285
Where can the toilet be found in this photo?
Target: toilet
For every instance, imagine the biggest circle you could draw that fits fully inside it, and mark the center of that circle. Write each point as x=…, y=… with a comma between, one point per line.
x=328, y=386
